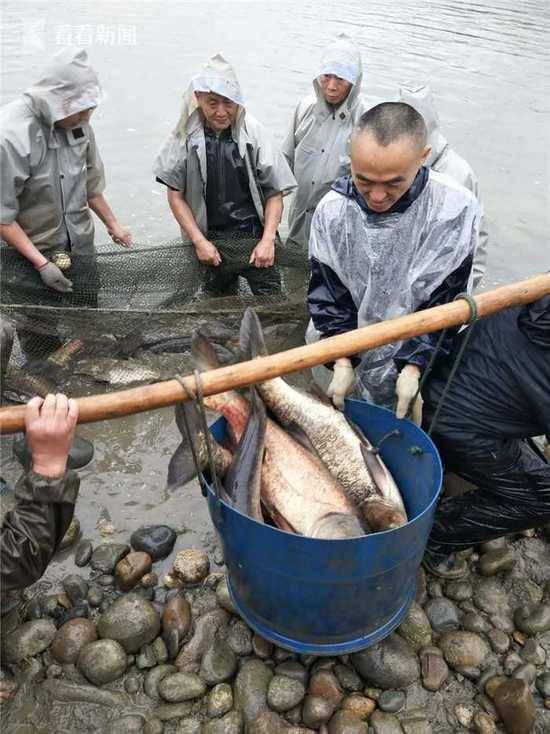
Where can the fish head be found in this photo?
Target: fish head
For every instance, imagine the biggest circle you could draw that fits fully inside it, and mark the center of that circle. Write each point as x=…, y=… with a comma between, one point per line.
x=383, y=514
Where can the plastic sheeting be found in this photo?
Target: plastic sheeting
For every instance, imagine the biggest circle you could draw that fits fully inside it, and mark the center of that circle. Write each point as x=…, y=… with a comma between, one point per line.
x=317, y=144
x=446, y=160
x=499, y=397
x=49, y=174
x=392, y=263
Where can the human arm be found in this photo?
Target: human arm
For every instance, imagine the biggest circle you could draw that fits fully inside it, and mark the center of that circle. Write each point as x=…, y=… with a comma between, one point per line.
x=45, y=496
x=263, y=255
x=118, y=234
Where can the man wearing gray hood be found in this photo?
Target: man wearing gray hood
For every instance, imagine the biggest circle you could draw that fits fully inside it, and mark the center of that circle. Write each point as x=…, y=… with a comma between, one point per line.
x=317, y=145
x=52, y=175
x=446, y=160
x=226, y=184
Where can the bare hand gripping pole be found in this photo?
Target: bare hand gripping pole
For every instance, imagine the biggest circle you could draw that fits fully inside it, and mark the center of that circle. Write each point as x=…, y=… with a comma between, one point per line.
x=162, y=394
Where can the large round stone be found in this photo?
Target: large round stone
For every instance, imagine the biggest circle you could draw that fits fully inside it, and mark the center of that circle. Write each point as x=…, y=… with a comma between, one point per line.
x=107, y=555
x=131, y=620
x=191, y=566
x=102, y=661
x=250, y=689
x=389, y=664
x=284, y=693
x=131, y=569
x=156, y=540
x=71, y=638
x=463, y=649
x=30, y=639
x=219, y=663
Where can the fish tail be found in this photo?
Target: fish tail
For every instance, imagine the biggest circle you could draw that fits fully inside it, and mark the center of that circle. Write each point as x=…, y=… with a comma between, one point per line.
x=251, y=336
x=203, y=354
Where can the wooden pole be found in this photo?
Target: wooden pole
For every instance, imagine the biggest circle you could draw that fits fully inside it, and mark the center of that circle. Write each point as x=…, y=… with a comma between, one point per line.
x=162, y=394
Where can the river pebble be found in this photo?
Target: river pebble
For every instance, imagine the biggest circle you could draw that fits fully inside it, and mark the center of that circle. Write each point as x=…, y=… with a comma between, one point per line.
x=261, y=647
x=75, y=587
x=284, y=693
x=146, y=658
x=132, y=684
x=131, y=620
x=250, y=689
x=154, y=676
x=532, y=652
x=391, y=701
x=383, y=723
x=153, y=726
x=107, y=555
x=458, y=590
x=361, y=706
x=126, y=725
x=224, y=598
x=442, y=614
x=533, y=619
x=220, y=700
x=171, y=711
x=178, y=687
x=316, y=711
x=514, y=703
x=155, y=540
x=489, y=596
x=102, y=661
x=71, y=536
x=502, y=623
x=191, y=566
x=71, y=638
x=543, y=685
x=434, y=670
x=483, y=724
x=106, y=580
x=239, y=638
x=526, y=672
x=218, y=664
x=206, y=629
x=346, y=722
x=500, y=642
x=83, y=553
x=497, y=561
x=192, y=725
x=416, y=628
x=473, y=622
x=463, y=649
x=324, y=683
x=268, y=722
x=231, y=723
x=159, y=650
x=81, y=610
x=176, y=620
x=130, y=570
x=30, y=639
x=293, y=669
x=95, y=595
x=390, y=663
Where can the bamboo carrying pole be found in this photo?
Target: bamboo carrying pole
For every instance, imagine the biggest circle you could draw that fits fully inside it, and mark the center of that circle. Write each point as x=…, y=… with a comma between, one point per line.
x=162, y=394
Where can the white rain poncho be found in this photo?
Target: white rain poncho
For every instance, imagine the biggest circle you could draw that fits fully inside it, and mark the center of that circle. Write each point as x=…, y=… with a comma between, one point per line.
x=446, y=160
x=317, y=145
x=391, y=264
x=181, y=164
x=48, y=173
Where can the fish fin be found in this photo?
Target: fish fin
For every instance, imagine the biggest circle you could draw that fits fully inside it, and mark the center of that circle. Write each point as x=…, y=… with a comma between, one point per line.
x=181, y=468
x=251, y=336
x=376, y=468
x=203, y=353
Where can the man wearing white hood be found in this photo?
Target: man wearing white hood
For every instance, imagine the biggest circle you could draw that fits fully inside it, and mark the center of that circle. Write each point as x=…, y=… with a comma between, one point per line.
x=445, y=159
x=52, y=174
x=225, y=183
x=317, y=145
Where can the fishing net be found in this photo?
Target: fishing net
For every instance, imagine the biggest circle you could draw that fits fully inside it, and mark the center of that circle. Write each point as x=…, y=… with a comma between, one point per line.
x=132, y=313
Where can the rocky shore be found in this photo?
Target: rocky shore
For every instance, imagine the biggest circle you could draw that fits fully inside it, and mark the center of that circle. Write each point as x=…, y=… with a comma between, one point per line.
x=119, y=650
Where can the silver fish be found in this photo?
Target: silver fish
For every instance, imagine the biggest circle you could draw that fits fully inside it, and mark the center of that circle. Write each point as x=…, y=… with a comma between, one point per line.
x=333, y=439
x=116, y=371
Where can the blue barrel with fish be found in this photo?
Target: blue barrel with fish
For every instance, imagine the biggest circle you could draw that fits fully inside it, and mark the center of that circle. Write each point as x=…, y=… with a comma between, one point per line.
x=332, y=597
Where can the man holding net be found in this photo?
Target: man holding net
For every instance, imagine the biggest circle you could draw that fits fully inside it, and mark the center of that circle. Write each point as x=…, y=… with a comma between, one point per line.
x=52, y=176
x=226, y=184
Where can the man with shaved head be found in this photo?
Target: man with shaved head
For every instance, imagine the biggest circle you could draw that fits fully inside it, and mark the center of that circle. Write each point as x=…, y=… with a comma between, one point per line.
x=389, y=239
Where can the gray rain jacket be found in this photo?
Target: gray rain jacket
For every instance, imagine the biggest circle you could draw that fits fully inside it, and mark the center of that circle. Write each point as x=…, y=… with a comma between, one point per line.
x=317, y=145
x=181, y=164
x=48, y=174
x=446, y=160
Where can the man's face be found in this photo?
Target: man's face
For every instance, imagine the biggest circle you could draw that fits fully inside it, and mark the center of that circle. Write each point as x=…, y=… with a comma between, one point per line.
x=219, y=112
x=382, y=174
x=75, y=120
x=335, y=89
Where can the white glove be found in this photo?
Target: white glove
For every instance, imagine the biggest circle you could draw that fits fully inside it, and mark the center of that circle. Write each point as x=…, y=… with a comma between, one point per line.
x=342, y=382
x=405, y=389
x=54, y=278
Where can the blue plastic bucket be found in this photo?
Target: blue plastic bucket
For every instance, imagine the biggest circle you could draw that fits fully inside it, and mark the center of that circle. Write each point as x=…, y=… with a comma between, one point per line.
x=331, y=597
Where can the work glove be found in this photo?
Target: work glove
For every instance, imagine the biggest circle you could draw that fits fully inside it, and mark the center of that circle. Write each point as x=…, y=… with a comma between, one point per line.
x=406, y=388
x=343, y=380
x=54, y=278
